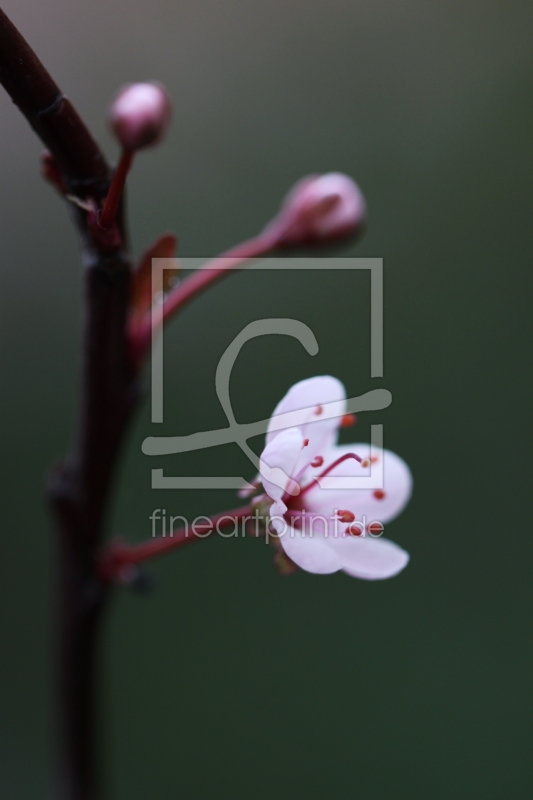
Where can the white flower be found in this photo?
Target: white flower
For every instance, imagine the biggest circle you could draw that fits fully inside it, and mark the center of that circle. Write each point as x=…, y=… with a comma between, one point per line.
x=321, y=529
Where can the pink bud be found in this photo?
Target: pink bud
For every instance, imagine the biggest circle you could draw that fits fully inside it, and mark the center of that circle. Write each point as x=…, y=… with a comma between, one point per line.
x=321, y=208
x=140, y=115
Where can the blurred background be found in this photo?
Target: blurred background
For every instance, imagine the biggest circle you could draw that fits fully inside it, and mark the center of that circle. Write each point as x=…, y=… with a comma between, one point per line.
x=228, y=680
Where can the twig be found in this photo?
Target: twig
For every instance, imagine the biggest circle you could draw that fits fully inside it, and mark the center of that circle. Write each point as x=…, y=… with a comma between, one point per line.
x=120, y=555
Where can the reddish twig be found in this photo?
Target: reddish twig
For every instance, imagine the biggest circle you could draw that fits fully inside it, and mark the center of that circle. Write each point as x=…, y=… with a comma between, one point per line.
x=119, y=555
x=231, y=261
x=112, y=201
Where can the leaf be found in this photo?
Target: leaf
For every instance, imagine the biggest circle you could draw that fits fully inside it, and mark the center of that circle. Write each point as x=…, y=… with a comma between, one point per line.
x=142, y=299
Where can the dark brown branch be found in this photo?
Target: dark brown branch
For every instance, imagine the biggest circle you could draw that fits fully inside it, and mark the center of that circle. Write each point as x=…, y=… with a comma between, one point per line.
x=79, y=489
x=51, y=114
x=79, y=493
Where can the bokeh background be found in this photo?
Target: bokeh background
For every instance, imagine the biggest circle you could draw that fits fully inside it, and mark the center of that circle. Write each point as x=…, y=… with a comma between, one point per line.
x=228, y=680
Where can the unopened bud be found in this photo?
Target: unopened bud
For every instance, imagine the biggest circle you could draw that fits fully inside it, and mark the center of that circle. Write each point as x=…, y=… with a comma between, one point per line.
x=140, y=115
x=321, y=208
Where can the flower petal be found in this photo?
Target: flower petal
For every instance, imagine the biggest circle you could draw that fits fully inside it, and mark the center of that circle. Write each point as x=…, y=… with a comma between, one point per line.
x=311, y=553
x=276, y=515
x=375, y=505
x=278, y=462
x=306, y=400
x=371, y=559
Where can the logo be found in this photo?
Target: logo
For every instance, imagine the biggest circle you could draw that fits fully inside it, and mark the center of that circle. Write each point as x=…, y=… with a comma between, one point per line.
x=238, y=433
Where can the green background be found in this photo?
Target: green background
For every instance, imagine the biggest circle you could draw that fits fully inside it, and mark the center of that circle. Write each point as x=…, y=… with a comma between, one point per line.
x=229, y=680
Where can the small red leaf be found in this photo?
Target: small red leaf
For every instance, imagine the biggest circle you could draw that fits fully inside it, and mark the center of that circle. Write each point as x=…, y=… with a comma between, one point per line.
x=141, y=290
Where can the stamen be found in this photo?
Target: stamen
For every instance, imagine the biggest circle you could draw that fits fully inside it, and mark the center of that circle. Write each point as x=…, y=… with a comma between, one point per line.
x=318, y=410
x=355, y=530
x=375, y=528
x=328, y=470
x=374, y=459
x=365, y=463
x=306, y=442
x=348, y=420
x=317, y=461
x=344, y=515
x=379, y=494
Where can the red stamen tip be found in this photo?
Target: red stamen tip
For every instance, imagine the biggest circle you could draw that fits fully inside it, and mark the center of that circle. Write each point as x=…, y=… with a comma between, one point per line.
x=306, y=442
x=356, y=529
x=374, y=459
x=317, y=462
x=365, y=463
x=348, y=420
x=375, y=528
x=344, y=515
x=379, y=494
x=318, y=410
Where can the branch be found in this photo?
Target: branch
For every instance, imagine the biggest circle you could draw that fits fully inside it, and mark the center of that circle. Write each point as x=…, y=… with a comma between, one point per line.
x=51, y=115
x=79, y=493
x=79, y=488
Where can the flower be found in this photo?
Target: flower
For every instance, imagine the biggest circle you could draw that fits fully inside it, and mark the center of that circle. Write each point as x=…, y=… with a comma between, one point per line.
x=320, y=208
x=326, y=529
x=140, y=115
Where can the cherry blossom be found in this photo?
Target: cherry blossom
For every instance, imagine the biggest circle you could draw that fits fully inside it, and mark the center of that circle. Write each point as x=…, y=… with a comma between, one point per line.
x=324, y=530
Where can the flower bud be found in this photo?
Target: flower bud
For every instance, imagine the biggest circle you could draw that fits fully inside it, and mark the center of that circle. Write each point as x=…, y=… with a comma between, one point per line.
x=140, y=115
x=321, y=208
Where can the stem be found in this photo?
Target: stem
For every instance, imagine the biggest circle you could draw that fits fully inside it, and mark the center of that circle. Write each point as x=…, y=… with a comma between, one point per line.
x=116, y=189
x=328, y=469
x=79, y=493
x=231, y=261
x=214, y=271
x=79, y=488
x=119, y=555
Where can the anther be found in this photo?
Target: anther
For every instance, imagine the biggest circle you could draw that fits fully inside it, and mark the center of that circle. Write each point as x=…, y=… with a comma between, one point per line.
x=317, y=461
x=306, y=442
x=348, y=420
x=343, y=515
x=376, y=528
x=318, y=410
x=379, y=494
x=356, y=529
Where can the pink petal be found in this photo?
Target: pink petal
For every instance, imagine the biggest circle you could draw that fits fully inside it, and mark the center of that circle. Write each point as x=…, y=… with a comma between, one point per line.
x=311, y=553
x=278, y=462
x=277, y=521
x=381, y=505
x=371, y=559
x=309, y=397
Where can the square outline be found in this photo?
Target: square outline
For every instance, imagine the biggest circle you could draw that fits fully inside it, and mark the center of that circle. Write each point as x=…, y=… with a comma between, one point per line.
x=375, y=265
